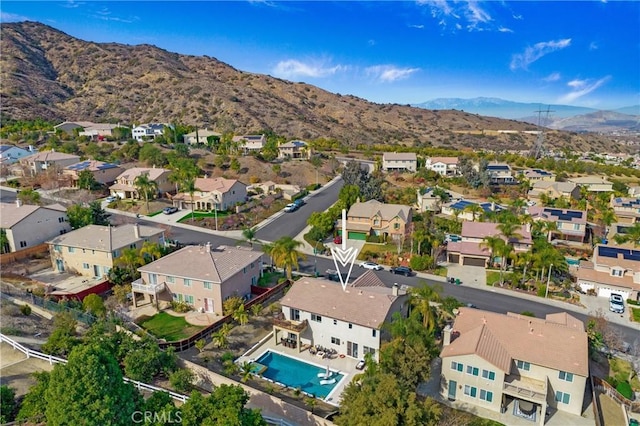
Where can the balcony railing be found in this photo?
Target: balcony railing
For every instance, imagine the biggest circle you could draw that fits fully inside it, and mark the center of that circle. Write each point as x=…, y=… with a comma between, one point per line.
x=140, y=287
x=290, y=325
x=526, y=389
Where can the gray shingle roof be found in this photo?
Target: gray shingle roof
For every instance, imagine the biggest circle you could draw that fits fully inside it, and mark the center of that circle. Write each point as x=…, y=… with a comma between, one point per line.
x=101, y=238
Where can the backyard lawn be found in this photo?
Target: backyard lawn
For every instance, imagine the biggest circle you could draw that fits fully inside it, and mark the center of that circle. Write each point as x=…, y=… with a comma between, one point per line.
x=379, y=249
x=493, y=277
x=620, y=369
x=165, y=326
x=635, y=314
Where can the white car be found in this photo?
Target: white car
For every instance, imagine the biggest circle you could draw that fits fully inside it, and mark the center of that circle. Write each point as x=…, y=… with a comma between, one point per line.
x=290, y=208
x=371, y=265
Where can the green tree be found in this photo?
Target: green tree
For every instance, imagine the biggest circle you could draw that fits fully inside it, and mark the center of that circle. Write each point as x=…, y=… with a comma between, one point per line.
x=89, y=390
x=7, y=404
x=130, y=259
x=4, y=242
x=475, y=209
x=151, y=155
x=249, y=234
x=79, y=216
x=220, y=338
x=146, y=360
x=64, y=336
x=349, y=194
x=321, y=221
x=188, y=185
x=235, y=165
x=421, y=300
x=151, y=251
x=200, y=344
x=182, y=379
x=98, y=215
x=29, y=196
x=86, y=180
x=226, y=405
x=146, y=187
x=34, y=405
x=94, y=305
x=162, y=404
x=631, y=235
x=286, y=255
x=241, y=315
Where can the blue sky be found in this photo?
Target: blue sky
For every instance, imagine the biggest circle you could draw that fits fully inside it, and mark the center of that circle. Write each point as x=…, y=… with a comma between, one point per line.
x=582, y=53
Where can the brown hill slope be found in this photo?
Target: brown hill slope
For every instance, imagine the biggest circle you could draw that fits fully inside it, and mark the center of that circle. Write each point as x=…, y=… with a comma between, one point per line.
x=48, y=74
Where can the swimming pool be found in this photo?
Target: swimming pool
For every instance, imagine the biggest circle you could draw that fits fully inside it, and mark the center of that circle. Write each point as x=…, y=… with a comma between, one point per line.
x=297, y=374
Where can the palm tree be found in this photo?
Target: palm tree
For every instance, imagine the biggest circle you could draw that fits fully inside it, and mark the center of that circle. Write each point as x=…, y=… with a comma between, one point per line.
x=497, y=247
x=151, y=249
x=241, y=315
x=632, y=235
x=286, y=255
x=4, y=242
x=421, y=299
x=249, y=234
x=267, y=248
x=189, y=185
x=221, y=337
x=475, y=209
x=146, y=187
x=130, y=259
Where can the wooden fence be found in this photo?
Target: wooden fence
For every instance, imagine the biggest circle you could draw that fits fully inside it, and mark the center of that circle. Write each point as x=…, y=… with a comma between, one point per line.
x=604, y=387
x=8, y=258
x=184, y=344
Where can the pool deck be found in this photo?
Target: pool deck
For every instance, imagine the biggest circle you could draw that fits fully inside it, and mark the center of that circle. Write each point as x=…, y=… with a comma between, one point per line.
x=346, y=365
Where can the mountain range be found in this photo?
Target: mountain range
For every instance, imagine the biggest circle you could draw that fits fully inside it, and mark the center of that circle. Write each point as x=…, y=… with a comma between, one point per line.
x=559, y=117
x=50, y=75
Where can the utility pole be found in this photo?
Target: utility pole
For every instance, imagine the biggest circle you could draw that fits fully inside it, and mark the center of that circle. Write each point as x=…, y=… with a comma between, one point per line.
x=546, y=290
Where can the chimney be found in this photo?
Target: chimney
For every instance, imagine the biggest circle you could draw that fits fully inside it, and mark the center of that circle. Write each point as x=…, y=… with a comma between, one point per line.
x=394, y=289
x=136, y=230
x=446, y=338
x=18, y=202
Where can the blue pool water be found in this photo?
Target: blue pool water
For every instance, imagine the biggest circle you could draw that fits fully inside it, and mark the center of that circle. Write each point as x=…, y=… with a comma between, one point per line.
x=296, y=374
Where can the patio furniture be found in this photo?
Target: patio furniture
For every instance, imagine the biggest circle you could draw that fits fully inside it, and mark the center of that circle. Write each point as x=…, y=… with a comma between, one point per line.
x=321, y=354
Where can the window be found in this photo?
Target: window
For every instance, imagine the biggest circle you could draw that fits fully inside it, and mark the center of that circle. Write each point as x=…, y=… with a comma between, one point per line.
x=486, y=395
x=563, y=397
x=252, y=265
x=470, y=391
x=61, y=220
x=23, y=243
x=188, y=298
x=177, y=297
x=316, y=318
x=335, y=341
x=472, y=370
x=116, y=253
x=616, y=272
x=208, y=285
x=576, y=226
x=244, y=270
x=368, y=350
x=523, y=365
x=71, y=249
x=254, y=280
x=396, y=226
x=563, y=375
x=294, y=314
x=85, y=266
x=187, y=282
x=486, y=374
x=105, y=270
x=373, y=332
x=335, y=322
x=57, y=248
x=171, y=279
x=350, y=326
x=456, y=366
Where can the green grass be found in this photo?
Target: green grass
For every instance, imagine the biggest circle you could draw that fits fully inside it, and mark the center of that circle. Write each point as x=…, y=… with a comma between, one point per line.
x=269, y=278
x=165, y=326
x=197, y=215
x=493, y=277
x=635, y=314
x=620, y=369
x=440, y=271
x=380, y=249
x=155, y=213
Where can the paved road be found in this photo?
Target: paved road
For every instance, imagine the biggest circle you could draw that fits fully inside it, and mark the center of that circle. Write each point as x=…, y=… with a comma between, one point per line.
x=7, y=196
x=292, y=223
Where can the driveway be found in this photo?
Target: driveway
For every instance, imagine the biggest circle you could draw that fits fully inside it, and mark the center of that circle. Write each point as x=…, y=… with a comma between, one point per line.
x=474, y=276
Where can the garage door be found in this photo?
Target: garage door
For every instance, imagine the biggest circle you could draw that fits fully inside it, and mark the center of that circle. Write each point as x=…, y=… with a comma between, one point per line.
x=454, y=258
x=474, y=261
x=357, y=236
x=606, y=292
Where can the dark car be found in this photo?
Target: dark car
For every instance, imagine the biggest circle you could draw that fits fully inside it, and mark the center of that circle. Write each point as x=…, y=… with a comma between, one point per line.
x=401, y=270
x=299, y=202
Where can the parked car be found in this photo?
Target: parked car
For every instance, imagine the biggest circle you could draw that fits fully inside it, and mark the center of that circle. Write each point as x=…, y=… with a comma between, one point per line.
x=332, y=274
x=169, y=210
x=337, y=239
x=111, y=198
x=371, y=265
x=616, y=303
x=299, y=202
x=401, y=270
x=290, y=208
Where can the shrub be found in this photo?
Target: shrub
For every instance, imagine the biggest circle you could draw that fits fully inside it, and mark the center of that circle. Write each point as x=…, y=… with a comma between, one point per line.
x=373, y=239
x=633, y=302
x=624, y=388
x=180, y=307
x=542, y=290
x=420, y=263
x=254, y=179
x=26, y=310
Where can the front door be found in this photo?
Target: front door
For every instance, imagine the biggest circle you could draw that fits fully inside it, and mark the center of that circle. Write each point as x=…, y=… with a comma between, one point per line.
x=352, y=349
x=452, y=390
x=60, y=265
x=96, y=271
x=208, y=305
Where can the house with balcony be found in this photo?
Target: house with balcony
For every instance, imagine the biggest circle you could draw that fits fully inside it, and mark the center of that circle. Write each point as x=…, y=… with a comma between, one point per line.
x=472, y=249
x=125, y=188
x=500, y=174
x=399, y=162
x=296, y=149
x=571, y=225
x=92, y=250
x=373, y=218
x=200, y=136
x=148, y=131
x=593, y=183
x=515, y=364
x=627, y=209
x=99, y=131
x=250, y=143
x=612, y=269
x=213, y=194
x=45, y=160
x=10, y=154
x=444, y=166
x=27, y=226
x=538, y=175
x=460, y=209
x=433, y=198
x=103, y=173
x=553, y=191
x=317, y=311
x=201, y=276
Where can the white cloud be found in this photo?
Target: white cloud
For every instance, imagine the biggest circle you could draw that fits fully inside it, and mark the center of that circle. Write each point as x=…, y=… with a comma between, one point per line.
x=457, y=15
x=580, y=88
x=292, y=68
x=593, y=46
x=12, y=17
x=389, y=73
x=552, y=77
x=371, y=42
x=416, y=26
x=476, y=15
x=505, y=30
x=537, y=51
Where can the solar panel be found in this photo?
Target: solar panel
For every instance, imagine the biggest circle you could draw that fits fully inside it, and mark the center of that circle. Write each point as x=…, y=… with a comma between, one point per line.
x=632, y=255
x=606, y=251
